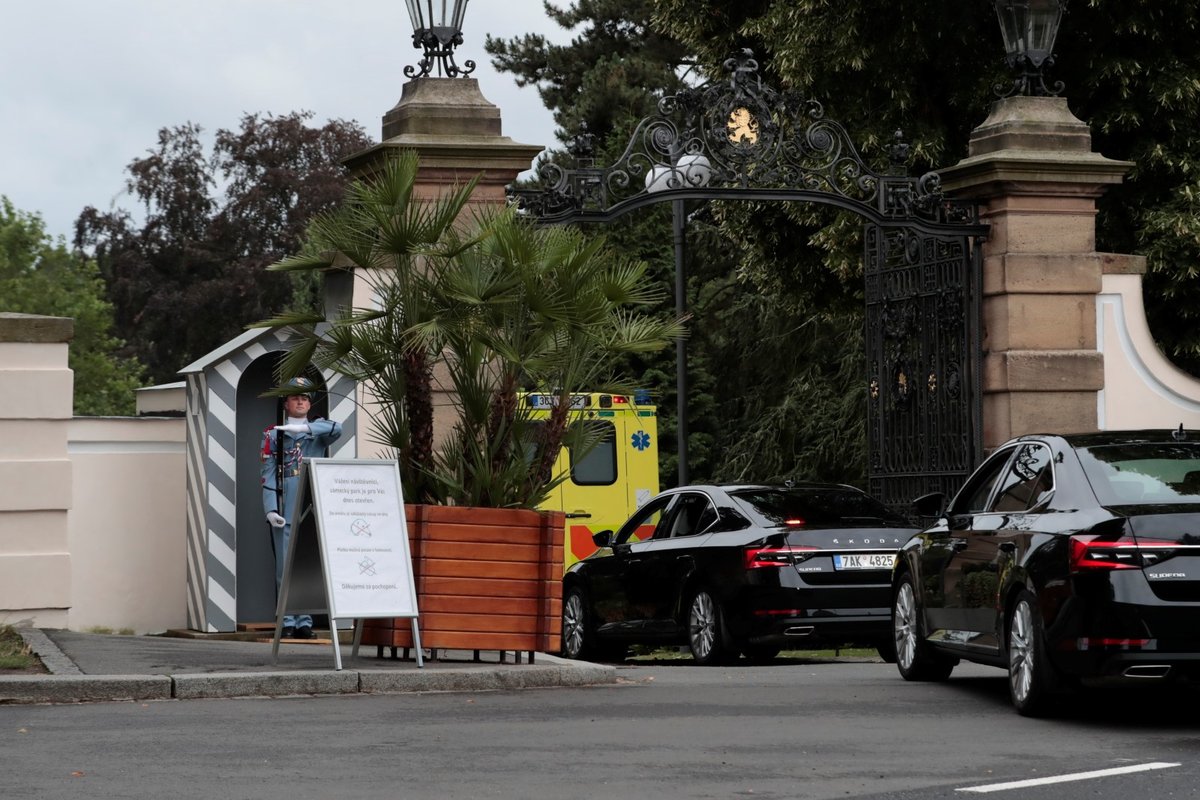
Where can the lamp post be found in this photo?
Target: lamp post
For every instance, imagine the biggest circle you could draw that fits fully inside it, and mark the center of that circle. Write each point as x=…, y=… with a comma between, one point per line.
x=1029, y=28
x=437, y=29
x=689, y=171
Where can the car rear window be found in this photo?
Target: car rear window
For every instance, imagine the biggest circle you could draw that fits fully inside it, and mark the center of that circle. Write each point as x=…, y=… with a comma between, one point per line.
x=1143, y=473
x=817, y=506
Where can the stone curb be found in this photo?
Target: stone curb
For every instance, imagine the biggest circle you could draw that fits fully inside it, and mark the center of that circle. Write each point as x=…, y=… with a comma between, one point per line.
x=188, y=686
x=82, y=688
x=67, y=684
x=470, y=680
x=47, y=651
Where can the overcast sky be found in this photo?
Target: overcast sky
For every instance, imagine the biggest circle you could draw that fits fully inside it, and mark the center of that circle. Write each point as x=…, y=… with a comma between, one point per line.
x=85, y=85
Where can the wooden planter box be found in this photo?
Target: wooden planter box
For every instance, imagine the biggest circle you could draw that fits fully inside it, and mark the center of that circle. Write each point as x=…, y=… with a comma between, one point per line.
x=486, y=578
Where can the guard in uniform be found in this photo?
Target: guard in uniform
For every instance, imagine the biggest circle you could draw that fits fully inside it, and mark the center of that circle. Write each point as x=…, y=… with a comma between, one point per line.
x=283, y=448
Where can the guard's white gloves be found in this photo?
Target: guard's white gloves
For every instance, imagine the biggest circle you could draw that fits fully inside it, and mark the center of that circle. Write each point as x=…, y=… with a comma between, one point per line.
x=294, y=427
x=275, y=520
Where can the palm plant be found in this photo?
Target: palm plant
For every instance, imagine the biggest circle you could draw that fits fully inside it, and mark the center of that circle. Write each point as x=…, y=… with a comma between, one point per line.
x=506, y=306
x=385, y=236
x=534, y=308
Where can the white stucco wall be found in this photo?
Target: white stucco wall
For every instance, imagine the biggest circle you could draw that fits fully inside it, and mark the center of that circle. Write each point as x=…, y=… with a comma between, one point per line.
x=35, y=473
x=1142, y=389
x=126, y=527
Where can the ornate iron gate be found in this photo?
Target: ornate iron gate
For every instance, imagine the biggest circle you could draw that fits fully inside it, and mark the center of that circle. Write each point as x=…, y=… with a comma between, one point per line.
x=923, y=359
x=736, y=139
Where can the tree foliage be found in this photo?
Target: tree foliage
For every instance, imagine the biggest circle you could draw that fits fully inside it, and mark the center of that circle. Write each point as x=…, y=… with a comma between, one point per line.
x=41, y=276
x=612, y=72
x=191, y=273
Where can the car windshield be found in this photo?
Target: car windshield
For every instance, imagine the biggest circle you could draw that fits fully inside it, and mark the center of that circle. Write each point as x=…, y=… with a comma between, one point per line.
x=817, y=505
x=1144, y=473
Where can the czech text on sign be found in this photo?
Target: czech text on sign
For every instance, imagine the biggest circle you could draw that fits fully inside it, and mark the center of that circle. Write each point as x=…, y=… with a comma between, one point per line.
x=364, y=538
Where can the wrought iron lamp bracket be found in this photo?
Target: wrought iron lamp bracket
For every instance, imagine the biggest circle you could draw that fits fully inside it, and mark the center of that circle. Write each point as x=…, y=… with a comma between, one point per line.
x=1030, y=78
x=438, y=44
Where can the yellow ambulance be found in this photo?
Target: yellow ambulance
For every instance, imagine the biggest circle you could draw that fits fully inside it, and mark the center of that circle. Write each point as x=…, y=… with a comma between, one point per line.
x=605, y=485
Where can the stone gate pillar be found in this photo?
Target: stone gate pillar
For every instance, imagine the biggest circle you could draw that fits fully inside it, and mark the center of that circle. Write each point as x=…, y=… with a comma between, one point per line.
x=1032, y=168
x=456, y=132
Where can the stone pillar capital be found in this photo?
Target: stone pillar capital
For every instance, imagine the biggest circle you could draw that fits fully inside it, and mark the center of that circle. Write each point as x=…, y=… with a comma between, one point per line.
x=1032, y=146
x=454, y=129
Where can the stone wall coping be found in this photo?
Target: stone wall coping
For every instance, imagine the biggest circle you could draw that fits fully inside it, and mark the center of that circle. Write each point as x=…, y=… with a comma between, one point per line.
x=35, y=328
x=126, y=430
x=1122, y=264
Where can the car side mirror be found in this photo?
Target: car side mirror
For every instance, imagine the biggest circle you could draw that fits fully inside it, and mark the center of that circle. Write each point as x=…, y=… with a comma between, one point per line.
x=930, y=505
x=602, y=538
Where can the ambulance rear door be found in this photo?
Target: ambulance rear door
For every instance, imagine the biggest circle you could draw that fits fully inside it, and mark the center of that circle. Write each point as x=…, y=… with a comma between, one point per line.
x=593, y=495
x=605, y=486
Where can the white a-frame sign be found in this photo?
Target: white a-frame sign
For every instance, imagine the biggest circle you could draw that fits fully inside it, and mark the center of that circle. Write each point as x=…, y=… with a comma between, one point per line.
x=349, y=557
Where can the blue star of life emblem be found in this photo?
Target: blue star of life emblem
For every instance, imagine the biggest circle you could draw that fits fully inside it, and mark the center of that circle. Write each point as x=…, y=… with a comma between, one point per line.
x=641, y=440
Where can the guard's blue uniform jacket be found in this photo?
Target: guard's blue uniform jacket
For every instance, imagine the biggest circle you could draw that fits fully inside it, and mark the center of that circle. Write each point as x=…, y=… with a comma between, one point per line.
x=296, y=447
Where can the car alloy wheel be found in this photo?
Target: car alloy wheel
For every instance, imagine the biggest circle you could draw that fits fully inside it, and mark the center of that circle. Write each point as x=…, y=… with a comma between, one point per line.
x=914, y=658
x=904, y=623
x=706, y=638
x=1030, y=676
x=574, y=624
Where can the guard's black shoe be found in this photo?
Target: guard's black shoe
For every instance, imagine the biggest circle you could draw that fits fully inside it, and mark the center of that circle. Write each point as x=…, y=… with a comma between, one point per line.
x=287, y=633
x=304, y=632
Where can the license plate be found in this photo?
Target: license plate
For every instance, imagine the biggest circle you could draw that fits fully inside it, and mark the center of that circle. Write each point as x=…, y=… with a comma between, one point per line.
x=865, y=561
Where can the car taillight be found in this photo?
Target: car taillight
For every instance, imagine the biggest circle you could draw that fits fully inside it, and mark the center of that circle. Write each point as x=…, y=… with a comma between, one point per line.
x=763, y=557
x=1090, y=553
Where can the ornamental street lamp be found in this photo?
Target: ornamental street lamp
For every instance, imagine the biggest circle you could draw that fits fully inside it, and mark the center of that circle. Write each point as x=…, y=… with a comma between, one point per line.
x=1029, y=28
x=437, y=28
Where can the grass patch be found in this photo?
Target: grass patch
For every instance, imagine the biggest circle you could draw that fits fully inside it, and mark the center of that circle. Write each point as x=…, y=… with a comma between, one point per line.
x=109, y=631
x=840, y=652
x=14, y=653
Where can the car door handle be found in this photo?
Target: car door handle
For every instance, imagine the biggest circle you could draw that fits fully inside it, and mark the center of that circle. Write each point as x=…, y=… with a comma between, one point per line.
x=578, y=515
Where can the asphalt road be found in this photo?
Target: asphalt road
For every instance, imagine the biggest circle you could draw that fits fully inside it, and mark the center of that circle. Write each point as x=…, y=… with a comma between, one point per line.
x=790, y=730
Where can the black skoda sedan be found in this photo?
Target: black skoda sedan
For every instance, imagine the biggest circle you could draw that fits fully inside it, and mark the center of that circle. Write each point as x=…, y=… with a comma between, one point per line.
x=729, y=569
x=1067, y=560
